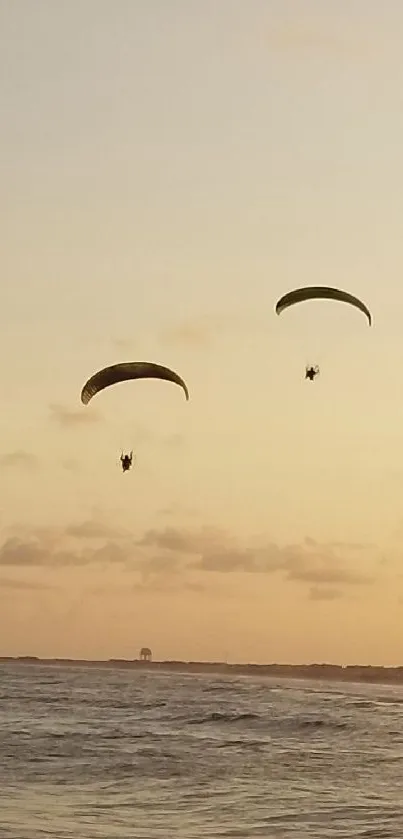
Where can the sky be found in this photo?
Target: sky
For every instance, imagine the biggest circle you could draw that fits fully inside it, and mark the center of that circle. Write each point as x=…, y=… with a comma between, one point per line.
x=168, y=170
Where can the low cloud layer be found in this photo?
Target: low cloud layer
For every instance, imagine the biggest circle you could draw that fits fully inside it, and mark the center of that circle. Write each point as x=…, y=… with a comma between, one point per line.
x=214, y=551
x=162, y=554
x=33, y=553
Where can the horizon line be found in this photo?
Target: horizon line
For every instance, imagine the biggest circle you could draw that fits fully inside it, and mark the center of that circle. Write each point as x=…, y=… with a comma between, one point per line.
x=202, y=663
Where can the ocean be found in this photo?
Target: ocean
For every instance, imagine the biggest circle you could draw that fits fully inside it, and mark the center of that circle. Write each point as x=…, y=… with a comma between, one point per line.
x=98, y=753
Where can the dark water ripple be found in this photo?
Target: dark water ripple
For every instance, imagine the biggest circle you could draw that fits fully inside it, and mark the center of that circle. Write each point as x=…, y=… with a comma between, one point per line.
x=99, y=753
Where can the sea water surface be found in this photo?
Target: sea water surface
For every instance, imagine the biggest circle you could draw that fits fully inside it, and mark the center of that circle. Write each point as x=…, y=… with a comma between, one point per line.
x=97, y=753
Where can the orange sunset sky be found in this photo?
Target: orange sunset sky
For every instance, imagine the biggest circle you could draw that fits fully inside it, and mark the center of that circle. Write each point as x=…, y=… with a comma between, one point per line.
x=168, y=170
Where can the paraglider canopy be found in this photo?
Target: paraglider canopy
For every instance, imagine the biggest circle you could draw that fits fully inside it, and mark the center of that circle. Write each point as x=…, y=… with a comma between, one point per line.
x=299, y=295
x=128, y=371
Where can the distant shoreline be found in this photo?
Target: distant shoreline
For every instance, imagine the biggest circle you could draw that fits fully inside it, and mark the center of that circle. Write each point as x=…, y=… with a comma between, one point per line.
x=324, y=672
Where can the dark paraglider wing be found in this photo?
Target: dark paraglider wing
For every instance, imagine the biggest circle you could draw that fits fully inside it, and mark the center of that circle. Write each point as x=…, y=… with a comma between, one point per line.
x=299, y=295
x=128, y=371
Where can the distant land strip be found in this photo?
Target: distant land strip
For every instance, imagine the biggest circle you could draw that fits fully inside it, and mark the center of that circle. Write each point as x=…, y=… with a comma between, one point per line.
x=328, y=672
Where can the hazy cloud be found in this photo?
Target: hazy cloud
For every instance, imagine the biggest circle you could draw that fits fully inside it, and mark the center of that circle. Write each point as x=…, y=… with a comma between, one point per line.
x=226, y=561
x=200, y=332
x=344, y=546
x=23, y=585
x=20, y=459
x=321, y=563
x=263, y=561
x=108, y=589
x=93, y=529
x=145, y=435
x=71, y=465
x=111, y=552
x=72, y=417
x=183, y=541
x=150, y=566
x=195, y=334
x=31, y=553
x=91, y=541
x=177, y=510
x=191, y=586
x=318, y=593
x=329, y=574
x=216, y=551
x=305, y=36
x=352, y=546
x=321, y=566
x=124, y=344
x=299, y=36
x=36, y=553
x=166, y=585
x=145, y=586
x=174, y=440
